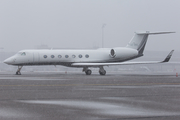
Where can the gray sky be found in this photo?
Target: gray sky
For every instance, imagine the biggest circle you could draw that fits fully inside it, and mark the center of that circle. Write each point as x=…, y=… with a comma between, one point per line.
x=25, y=24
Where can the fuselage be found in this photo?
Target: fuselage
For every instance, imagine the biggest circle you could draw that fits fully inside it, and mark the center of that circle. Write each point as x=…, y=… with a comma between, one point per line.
x=68, y=56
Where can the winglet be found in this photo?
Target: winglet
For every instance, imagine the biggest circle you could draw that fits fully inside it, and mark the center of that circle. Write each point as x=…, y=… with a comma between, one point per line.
x=168, y=57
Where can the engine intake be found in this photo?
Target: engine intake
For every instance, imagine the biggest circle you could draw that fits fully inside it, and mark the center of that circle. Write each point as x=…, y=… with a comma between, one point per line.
x=122, y=53
x=112, y=53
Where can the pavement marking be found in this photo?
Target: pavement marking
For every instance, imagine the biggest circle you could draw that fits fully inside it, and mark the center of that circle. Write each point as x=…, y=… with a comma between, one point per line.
x=66, y=85
x=104, y=108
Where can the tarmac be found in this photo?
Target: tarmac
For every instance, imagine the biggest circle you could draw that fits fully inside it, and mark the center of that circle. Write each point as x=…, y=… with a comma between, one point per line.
x=76, y=96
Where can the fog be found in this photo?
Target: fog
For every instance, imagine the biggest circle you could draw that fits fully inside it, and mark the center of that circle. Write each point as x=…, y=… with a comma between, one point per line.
x=27, y=24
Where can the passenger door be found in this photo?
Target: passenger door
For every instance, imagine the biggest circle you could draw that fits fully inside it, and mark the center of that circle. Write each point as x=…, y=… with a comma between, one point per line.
x=36, y=57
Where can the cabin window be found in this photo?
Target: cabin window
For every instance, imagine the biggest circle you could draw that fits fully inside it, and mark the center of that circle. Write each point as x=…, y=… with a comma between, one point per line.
x=73, y=56
x=59, y=56
x=52, y=56
x=80, y=56
x=87, y=56
x=23, y=54
x=66, y=56
x=45, y=56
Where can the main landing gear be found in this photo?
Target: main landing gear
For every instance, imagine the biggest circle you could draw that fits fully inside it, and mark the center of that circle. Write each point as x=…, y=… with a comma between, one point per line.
x=88, y=71
x=102, y=71
x=18, y=72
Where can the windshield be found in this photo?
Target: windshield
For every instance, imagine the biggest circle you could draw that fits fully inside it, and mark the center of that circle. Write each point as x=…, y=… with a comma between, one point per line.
x=21, y=53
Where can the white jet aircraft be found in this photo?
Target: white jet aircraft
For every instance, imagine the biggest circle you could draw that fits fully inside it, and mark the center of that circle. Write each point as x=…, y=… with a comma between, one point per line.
x=87, y=58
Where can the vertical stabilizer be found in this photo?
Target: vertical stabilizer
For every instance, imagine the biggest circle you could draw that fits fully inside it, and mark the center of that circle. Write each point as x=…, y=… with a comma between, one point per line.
x=139, y=40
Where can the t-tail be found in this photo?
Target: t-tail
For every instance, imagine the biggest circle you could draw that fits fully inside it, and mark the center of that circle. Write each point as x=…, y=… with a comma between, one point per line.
x=139, y=40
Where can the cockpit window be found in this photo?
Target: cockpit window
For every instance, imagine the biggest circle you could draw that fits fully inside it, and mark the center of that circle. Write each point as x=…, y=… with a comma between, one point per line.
x=23, y=54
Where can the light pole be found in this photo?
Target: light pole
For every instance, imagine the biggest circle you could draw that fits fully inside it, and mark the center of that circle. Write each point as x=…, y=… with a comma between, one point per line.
x=103, y=34
x=1, y=48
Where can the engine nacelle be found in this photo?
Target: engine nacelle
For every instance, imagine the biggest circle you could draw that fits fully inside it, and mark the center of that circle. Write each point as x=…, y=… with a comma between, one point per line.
x=123, y=53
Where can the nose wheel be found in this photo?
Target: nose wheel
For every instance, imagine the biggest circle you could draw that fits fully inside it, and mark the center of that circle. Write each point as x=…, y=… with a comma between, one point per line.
x=18, y=72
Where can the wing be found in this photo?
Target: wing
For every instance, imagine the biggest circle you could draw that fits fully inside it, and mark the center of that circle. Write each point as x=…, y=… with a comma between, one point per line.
x=122, y=63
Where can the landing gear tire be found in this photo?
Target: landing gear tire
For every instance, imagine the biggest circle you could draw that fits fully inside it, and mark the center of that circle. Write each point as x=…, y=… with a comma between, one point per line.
x=18, y=73
x=102, y=72
x=88, y=72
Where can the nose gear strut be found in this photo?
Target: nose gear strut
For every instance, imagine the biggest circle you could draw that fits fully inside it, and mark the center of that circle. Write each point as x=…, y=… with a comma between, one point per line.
x=18, y=70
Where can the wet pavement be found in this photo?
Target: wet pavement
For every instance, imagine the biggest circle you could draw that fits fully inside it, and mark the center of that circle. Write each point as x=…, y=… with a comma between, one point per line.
x=59, y=96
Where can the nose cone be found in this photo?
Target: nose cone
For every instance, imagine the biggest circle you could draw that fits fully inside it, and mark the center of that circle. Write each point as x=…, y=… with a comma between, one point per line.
x=8, y=61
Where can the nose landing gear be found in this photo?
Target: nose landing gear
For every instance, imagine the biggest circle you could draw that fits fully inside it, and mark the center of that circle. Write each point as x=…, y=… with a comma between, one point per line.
x=18, y=70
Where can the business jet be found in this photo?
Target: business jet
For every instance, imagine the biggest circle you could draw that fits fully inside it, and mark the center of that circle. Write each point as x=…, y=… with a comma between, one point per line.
x=87, y=58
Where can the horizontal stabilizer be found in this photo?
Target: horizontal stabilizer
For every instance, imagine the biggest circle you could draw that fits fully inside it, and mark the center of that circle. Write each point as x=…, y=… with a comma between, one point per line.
x=122, y=63
x=152, y=33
